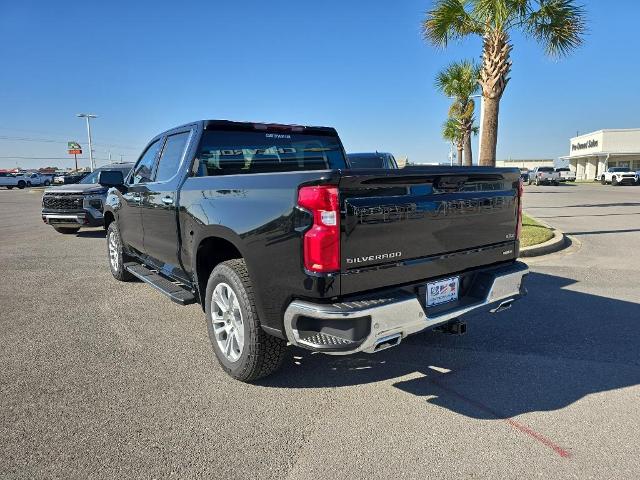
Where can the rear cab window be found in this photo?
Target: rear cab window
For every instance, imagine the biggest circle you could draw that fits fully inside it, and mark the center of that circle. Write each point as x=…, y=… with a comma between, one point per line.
x=234, y=152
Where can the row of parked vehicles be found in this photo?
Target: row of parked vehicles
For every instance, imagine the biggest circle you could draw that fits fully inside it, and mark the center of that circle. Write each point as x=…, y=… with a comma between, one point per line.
x=548, y=176
x=554, y=176
x=22, y=180
x=284, y=239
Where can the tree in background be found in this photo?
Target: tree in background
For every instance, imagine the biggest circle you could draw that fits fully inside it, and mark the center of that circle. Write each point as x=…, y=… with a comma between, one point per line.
x=559, y=25
x=459, y=81
x=452, y=132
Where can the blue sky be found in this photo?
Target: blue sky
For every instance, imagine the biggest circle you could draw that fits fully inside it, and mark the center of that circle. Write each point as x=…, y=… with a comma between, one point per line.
x=359, y=65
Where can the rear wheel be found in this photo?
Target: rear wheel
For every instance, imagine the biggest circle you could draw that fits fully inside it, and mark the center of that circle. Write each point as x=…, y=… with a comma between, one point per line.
x=9, y=187
x=602, y=180
x=243, y=349
x=66, y=230
x=116, y=255
x=21, y=184
x=47, y=183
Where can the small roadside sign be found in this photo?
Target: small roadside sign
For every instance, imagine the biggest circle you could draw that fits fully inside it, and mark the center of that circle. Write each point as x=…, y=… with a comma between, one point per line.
x=74, y=148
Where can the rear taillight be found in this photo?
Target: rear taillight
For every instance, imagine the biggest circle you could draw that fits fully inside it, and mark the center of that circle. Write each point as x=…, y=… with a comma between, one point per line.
x=321, y=242
x=520, y=193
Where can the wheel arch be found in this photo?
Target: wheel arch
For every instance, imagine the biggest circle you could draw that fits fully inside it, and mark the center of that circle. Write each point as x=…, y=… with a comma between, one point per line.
x=211, y=251
x=108, y=218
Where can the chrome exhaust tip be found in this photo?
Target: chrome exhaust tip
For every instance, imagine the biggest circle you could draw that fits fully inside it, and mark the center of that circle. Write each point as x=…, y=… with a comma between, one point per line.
x=387, y=342
x=506, y=305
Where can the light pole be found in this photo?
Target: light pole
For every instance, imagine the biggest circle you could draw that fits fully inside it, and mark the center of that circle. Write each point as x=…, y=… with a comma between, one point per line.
x=481, y=119
x=88, y=117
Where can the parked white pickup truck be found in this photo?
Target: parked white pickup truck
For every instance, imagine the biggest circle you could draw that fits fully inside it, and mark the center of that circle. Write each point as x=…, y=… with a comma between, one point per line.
x=566, y=175
x=35, y=179
x=10, y=180
x=544, y=176
x=618, y=176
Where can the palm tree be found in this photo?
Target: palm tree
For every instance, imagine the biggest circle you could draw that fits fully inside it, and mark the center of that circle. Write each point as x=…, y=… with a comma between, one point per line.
x=452, y=132
x=459, y=81
x=559, y=25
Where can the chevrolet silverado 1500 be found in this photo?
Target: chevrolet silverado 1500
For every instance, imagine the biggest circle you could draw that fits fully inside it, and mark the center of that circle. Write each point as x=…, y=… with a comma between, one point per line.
x=267, y=228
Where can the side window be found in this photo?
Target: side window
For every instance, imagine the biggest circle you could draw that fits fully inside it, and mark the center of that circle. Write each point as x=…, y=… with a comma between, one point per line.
x=144, y=168
x=171, y=156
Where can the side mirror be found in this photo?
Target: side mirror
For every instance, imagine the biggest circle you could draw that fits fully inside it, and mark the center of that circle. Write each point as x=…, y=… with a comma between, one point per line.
x=111, y=178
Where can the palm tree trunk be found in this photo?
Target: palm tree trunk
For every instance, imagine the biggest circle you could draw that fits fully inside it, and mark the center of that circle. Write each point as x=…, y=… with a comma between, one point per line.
x=489, y=140
x=468, y=154
x=494, y=77
x=460, y=149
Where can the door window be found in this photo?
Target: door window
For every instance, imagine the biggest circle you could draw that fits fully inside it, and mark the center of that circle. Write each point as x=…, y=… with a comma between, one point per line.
x=143, y=170
x=171, y=156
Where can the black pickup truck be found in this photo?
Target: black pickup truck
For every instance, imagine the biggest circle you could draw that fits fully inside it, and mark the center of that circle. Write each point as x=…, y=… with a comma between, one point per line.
x=280, y=242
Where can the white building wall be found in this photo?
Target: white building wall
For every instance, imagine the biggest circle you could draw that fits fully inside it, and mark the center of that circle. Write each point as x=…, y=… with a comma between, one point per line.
x=621, y=141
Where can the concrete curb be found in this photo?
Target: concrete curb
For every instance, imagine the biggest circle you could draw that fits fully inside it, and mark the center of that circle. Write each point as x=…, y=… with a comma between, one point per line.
x=558, y=242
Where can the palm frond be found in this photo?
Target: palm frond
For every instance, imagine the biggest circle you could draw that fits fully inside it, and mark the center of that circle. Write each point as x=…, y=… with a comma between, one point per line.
x=451, y=131
x=559, y=25
x=459, y=79
x=448, y=20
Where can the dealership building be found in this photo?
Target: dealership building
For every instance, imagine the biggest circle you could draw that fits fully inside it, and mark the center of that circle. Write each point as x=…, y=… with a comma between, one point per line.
x=591, y=154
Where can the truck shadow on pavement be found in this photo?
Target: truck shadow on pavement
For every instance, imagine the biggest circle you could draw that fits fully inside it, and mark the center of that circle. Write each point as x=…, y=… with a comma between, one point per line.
x=551, y=349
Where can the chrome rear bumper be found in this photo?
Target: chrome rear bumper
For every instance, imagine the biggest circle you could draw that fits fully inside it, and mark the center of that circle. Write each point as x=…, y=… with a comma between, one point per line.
x=380, y=320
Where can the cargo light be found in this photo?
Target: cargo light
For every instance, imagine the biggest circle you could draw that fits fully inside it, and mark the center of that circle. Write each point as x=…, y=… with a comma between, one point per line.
x=520, y=193
x=321, y=243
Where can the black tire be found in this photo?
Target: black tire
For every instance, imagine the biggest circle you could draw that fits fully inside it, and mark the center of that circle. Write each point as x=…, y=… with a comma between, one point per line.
x=537, y=182
x=117, y=267
x=262, y=353
x=21, y=184
x=614, y=181
x=10, y=187
x=66, y=230
x=47, y=183
x=603, y=181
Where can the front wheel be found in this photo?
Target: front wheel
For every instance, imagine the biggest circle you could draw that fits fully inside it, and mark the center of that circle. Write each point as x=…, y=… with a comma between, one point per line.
x=21, y=184
x=47, y=183
x=603, y=181
x=66, y=230
x=243, y=349
x=614, y=181
x=116, y=255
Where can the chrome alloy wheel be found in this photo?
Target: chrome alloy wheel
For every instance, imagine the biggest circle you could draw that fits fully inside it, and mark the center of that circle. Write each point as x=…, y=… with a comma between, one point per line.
x=227, y=321
x=113, y=251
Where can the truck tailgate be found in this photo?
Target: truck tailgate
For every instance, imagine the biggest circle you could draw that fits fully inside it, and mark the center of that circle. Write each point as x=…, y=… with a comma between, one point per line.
x=402, y=226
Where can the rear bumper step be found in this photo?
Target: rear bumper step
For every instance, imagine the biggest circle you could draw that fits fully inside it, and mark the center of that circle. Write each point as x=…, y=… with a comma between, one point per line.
x=175, y=292
x=373, y=324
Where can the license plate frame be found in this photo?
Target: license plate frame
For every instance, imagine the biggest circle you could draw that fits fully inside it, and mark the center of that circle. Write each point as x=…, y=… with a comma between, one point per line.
x=442, y=291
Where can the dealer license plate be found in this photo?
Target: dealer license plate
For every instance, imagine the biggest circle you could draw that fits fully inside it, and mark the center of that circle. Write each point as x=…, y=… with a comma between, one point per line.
x=442, y=291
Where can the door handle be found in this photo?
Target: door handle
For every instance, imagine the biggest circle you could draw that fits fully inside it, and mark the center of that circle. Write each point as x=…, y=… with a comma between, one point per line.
x=168, y=200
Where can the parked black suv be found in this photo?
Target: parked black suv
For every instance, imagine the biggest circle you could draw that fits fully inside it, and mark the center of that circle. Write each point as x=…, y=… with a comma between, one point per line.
x=67, y=208
x=269, y=230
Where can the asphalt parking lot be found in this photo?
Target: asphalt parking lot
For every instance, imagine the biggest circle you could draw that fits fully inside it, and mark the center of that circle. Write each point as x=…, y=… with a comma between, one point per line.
x=110, y=380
